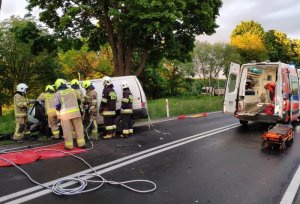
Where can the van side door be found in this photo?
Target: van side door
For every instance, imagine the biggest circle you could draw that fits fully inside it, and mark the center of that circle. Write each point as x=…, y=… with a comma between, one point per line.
x=231, y=92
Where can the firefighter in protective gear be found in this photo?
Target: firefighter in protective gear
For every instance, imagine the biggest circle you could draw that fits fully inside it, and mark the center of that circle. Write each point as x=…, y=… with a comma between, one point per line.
x=126, y=111
x=65, y=100
x=108, y=108
x=80, y=97
x=90, y=104
x=20, y=106
x=48, y=99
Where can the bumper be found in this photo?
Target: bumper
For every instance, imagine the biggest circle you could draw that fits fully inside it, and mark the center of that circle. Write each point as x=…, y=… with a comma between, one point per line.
x=260, y=118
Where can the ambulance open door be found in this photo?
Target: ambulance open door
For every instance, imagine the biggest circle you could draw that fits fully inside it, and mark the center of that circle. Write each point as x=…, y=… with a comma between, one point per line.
x=231, y=93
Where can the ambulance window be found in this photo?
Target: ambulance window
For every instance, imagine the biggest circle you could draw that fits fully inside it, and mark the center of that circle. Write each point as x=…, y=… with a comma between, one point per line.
x=294, y=83
x=232, y=83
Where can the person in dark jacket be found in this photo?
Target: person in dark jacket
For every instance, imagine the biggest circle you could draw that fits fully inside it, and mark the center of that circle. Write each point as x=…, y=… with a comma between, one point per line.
x=108, y=108
x=126, y=111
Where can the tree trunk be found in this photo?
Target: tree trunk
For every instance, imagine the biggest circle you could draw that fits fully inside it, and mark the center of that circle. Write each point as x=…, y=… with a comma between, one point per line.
x=142, y=64
x=1, y=112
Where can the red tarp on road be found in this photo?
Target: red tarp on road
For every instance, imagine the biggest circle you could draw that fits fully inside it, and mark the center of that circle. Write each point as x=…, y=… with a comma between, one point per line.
x=32, y=155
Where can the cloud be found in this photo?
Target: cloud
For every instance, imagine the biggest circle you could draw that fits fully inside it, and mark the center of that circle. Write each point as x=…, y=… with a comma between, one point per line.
x=279, y=15
x=13, y=8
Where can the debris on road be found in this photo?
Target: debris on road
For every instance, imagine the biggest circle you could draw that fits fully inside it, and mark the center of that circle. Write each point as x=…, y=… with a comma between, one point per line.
x=199, y=115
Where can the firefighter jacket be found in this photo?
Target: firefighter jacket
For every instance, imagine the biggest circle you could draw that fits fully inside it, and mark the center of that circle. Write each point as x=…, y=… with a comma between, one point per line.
x=108, y=101
x=91, y=97
x=65, y=100
x=48, y=98
x=127, y=102
x=20, y=105
x=80, y=97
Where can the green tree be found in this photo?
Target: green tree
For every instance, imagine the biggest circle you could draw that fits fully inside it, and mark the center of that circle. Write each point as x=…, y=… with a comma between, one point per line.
x=18, y=63
x=279, y=46
x=296, y=52
x=248, y=38
x=84, y=64
x=212, y=59
x=136, y=30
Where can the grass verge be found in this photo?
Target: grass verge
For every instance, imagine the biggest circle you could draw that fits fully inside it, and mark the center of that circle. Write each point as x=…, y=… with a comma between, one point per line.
x=7, y=123
x=184, y=105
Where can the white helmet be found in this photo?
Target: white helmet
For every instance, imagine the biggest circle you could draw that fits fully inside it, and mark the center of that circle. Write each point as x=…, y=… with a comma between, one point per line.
x=22, y=88
x=125, y=85
x=107, y=81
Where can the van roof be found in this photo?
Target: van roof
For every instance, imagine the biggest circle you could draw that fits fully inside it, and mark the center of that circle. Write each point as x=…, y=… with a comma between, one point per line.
x=264, y=63
x=101, y=79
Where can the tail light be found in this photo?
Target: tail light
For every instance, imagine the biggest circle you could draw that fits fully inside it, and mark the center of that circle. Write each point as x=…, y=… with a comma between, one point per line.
x=143, y=104
x=240, y=105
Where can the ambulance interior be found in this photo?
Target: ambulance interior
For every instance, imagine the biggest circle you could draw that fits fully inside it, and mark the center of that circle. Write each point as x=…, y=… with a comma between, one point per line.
x=256, y=97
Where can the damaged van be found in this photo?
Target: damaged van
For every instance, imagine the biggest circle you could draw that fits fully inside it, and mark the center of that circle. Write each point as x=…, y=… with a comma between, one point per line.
x=264, y=92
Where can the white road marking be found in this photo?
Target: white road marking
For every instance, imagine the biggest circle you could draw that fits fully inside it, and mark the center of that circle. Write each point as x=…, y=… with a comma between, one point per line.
x=292, y=189
x=147, y=153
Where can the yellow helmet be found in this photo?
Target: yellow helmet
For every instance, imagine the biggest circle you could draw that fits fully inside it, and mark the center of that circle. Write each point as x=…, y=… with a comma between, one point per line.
x=86, y=84
x=74, y=81
x=48, y=88
x=59, y=82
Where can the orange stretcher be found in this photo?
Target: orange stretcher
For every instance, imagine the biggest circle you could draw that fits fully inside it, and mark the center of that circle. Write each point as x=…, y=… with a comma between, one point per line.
x=281, y=135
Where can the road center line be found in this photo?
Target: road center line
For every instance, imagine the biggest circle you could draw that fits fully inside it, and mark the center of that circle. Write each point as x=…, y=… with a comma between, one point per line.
x=292, y=189
x=167, y=146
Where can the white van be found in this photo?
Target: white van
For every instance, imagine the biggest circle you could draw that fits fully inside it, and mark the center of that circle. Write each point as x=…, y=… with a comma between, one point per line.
x=139, y=97
x=248, y=98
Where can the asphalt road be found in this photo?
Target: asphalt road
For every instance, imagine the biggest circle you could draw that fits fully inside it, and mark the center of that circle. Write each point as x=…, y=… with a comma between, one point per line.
x=224, y=165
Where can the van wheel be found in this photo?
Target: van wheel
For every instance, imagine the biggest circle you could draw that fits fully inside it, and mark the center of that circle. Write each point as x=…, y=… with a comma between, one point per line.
x=244, y=122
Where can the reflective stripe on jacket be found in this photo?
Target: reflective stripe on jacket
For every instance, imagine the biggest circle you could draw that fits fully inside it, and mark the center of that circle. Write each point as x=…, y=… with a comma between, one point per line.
x=48, y=98
x=127, y=102
x=109, y=99
x=67, y=98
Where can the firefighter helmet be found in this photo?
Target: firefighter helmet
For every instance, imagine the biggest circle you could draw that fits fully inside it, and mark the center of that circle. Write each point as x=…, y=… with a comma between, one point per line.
x=86, y=84
x=125, y=85
x=74, y=81
x=59, y=82
x=49, y=88
x=22, y=88
x=107, y=81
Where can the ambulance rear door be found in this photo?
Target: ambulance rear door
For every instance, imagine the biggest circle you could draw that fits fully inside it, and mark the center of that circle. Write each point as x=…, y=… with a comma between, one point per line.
x=231, y=92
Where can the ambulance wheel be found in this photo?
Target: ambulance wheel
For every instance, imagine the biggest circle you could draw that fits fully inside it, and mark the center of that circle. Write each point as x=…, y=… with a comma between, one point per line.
x=265, y=145
x=244, y=122
x=289, y=142
x=282, y=146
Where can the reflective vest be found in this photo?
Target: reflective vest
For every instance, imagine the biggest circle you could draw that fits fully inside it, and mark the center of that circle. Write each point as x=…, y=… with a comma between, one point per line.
x=67, y=98
x=20, y=105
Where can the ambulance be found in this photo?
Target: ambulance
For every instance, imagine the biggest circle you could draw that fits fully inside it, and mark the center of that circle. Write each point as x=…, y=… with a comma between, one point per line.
x=248, y=98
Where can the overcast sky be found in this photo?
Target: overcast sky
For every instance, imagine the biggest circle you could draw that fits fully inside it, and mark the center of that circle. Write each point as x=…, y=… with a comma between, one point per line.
x=282, y=15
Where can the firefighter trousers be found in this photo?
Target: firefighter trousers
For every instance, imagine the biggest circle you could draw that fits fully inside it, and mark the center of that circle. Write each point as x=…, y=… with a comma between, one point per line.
x=68, y=126
x=52, y=122
x=127, y=123
x=22, y=128
x=110, y=125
